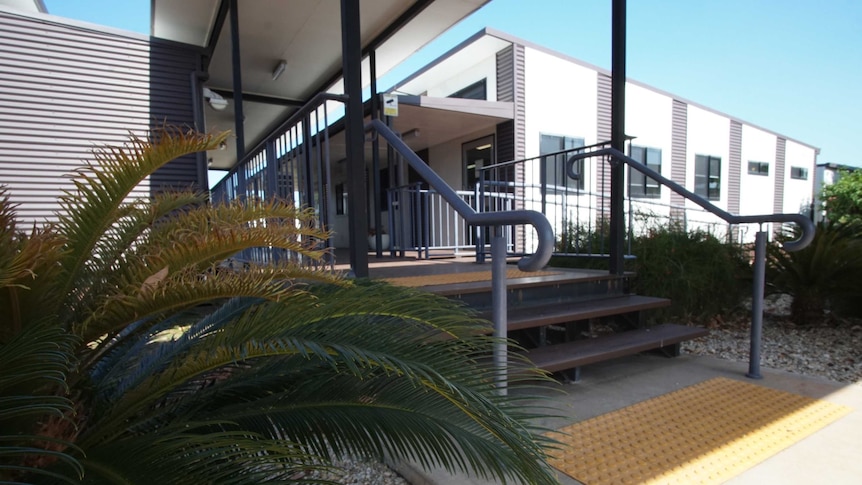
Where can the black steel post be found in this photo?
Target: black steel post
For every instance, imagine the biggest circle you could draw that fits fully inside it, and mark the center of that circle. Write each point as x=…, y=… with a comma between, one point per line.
x=618, y=133
x=357, y=197
x=198, y=77
x=238, y=117
x=375, y=156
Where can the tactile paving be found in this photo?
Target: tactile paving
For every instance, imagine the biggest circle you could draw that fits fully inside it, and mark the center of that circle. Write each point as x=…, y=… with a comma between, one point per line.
x=468, y=277
x=705, y=433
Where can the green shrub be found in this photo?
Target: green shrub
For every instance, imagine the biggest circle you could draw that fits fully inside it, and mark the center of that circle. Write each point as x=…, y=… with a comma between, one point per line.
x=827, y=274
x=701, y=274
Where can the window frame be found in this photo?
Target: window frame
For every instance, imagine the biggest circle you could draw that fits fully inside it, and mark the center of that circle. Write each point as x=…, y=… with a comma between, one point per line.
x=757, y=168
x=801, y=175
x=476, y=90
x=639, y=181
x=712, y=164
x=564, y=143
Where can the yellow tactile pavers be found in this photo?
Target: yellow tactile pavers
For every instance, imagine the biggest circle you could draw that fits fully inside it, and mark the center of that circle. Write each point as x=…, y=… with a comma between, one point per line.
x=705, y=433
x=468, y=277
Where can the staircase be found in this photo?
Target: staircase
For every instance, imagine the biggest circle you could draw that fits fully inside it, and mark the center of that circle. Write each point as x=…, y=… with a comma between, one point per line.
x=573, y=318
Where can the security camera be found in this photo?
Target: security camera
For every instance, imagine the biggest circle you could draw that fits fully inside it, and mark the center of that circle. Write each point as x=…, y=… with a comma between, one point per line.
x=216, y=101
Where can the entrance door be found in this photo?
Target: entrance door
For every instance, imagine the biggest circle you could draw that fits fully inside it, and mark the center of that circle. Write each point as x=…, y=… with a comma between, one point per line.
x=476, y=154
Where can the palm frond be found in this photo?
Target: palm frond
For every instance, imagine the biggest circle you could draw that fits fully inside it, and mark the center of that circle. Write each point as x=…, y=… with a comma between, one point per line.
x=200, y=452
x=37, y=423
x=101, y=188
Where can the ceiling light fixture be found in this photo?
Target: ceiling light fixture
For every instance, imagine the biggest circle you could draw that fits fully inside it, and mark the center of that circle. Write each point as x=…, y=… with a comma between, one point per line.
x=216, y=101
x=278, y=69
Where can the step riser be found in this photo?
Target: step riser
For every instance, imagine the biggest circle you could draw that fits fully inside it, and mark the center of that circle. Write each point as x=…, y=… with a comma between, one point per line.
x=546, y=294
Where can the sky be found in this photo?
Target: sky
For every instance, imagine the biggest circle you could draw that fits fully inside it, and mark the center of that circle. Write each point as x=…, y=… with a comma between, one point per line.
x=790, y=66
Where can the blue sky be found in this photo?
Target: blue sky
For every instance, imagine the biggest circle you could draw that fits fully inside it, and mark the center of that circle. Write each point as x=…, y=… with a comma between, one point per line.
x=792, y=66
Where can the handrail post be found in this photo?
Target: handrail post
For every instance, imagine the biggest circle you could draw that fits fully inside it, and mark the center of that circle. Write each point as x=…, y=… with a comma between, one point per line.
x=757, y=304
x=498, y=306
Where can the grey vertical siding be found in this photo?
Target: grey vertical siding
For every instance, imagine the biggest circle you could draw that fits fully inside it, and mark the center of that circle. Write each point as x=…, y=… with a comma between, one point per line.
x=506, y=74
x=519, y=132
x=520, y=100
x=678, y=147
x=505, y=141
x=603, y=131
x=778, y=198
x=65, y=90
x=734, y=166
x=171, y=101
x=603, y=108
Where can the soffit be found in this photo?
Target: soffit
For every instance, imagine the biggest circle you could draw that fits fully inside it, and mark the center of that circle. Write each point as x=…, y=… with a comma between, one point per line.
x=25, y=5
x=305, y=33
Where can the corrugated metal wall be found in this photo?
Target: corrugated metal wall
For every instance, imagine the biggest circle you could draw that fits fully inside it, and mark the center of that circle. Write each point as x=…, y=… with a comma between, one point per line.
x=65, y=90
x=506, y=92
x=678, y=147
x=520, y=103
x=778, y=198
x=506, y=74
x=603, y=101
x=735, y=166
x=603, y=124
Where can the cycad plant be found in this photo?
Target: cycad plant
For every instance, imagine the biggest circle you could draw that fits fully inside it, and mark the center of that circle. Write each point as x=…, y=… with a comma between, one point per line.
x=826, y=273
x=128, y=354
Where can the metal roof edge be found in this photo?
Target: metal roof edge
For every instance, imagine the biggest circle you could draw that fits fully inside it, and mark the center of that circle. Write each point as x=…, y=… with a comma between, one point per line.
x=488, y=31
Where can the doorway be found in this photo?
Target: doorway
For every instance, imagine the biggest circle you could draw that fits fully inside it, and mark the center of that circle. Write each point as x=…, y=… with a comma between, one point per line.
x=475, y=155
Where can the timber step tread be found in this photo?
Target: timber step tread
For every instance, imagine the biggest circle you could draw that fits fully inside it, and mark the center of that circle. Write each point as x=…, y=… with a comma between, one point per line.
x=520, y=318
x=576, y=353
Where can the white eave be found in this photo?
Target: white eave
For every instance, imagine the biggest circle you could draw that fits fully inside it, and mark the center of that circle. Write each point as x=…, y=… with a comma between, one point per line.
x=304, y=33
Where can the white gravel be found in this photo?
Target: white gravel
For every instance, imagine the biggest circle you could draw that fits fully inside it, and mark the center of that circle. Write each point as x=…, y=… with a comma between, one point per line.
x=832, y=350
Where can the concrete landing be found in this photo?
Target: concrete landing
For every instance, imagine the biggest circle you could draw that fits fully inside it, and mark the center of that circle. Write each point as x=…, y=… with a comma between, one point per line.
x=830, y=455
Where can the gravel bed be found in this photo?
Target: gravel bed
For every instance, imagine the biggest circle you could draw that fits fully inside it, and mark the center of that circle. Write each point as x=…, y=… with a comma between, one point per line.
x=832, y=350
x=358, y=472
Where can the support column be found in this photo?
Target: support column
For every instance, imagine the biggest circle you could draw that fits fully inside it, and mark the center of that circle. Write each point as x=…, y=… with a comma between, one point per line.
x=238, y=117
x=618, y=133
x=375, y=154
x=357, y=196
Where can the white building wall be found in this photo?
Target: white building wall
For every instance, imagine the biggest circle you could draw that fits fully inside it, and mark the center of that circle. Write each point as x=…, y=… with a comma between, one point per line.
x=560, y=99
x=447, y=160
x=649, y=118
x=482, y=69
x=757, y=192
x=798, y=194
x=708, y=134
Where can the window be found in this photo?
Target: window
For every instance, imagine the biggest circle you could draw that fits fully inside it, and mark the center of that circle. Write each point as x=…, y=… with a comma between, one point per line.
x=758, y=168
x=477, y=90
x=554, y=167
x=799, y=173
x=707, y=176
x=639, y=184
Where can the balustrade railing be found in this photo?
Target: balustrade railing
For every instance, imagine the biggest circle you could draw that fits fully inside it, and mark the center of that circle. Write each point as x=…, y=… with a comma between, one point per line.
x=292, y=164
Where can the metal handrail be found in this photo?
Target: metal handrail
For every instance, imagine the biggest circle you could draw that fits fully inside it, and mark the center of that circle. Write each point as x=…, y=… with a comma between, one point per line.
x=538, y=220
x=759, y=279
x=804, y=222
x=496, y=220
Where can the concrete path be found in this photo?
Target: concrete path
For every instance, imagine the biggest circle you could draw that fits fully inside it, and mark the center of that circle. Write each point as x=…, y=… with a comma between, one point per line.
x=832, y=455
